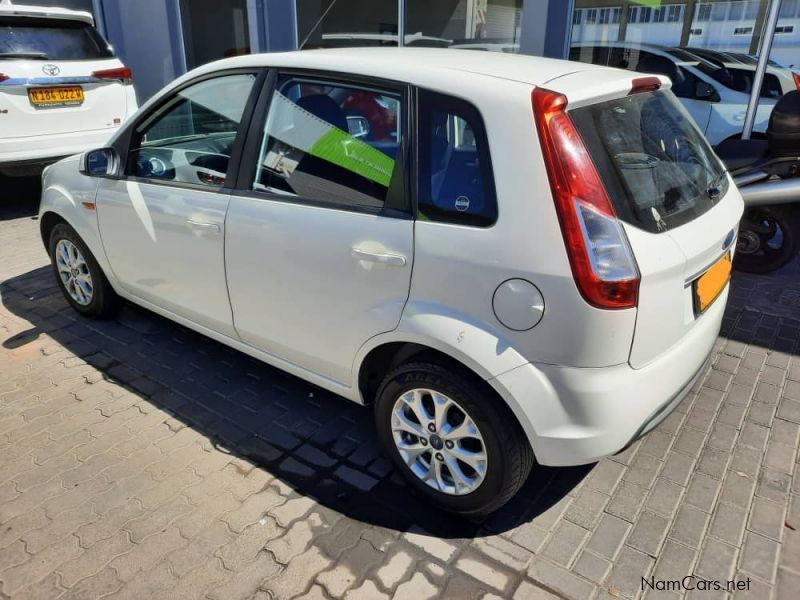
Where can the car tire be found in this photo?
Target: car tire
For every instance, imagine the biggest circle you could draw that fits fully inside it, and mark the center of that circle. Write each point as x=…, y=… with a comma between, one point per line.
x=761, y=257
x=508, y=455
x=80, y=278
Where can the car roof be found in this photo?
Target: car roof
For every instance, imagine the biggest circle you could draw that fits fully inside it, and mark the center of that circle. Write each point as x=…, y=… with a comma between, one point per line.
x=7, y=8
x=408, y=64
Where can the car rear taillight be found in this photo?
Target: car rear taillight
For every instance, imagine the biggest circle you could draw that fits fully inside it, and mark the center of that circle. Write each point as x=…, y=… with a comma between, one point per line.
x=122, y=74
x=4, y=77
x=602, y=262
x=796, y=79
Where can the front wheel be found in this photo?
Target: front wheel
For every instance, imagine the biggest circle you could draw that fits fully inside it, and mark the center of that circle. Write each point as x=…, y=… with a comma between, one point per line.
x=453, y=440
x=79, y=276
x=768, y=239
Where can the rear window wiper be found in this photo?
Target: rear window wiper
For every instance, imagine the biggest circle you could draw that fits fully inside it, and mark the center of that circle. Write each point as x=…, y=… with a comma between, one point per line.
x=717, y=187
x=39, y=55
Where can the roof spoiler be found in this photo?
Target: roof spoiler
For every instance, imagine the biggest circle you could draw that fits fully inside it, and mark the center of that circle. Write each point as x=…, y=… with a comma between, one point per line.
x=7, y=8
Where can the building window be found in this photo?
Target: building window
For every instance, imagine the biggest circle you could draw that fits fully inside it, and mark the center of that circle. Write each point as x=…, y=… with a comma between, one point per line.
x=645, y=14
x=743, y=31
x=605, y=16
x=789, y=9
x=703, y=13
x=697, y=31
x=719, y=12
x=659, y=14
x=576, y=17
x=617, y=13
x=591, y=16
x=784, y=29
x=675, y=14
x=751, y=10
x=214, y=30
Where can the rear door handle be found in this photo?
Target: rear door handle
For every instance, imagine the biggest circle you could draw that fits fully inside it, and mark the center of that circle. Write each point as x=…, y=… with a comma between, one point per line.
x=204, y=226
x=383, y=258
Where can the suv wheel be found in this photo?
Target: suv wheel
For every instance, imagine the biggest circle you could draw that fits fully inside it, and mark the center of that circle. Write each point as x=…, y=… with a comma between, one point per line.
x=79, y=276
x=452, y=439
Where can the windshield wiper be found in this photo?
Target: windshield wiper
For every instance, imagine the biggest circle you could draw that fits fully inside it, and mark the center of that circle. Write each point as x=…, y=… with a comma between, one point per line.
x=39, y=55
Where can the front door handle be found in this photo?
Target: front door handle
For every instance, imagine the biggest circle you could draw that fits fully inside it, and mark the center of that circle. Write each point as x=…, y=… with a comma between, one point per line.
x=383, y=258
x=204, y=226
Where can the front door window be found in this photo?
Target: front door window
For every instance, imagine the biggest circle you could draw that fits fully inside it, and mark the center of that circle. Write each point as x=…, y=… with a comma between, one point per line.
x=189, y=140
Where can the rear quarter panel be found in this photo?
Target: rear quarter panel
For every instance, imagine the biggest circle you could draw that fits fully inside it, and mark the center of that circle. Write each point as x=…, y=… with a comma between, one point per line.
x=457, y=268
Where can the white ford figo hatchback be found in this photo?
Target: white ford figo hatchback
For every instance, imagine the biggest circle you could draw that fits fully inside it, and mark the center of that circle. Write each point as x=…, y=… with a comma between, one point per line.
x=512, y=259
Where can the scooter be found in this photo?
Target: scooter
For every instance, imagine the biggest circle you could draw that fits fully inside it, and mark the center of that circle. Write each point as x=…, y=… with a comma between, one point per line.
x=767, y=172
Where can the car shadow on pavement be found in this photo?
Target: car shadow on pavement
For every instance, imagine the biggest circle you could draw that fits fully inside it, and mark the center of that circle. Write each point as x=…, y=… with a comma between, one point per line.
x=321, y=445
x=764, y=310
x=19, y=197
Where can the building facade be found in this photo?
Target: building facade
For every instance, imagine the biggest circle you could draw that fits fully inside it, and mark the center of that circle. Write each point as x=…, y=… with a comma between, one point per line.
x=162, y=39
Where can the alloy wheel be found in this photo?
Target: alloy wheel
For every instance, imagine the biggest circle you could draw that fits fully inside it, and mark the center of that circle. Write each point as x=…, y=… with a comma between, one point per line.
x=439, y=441
x=74, y=272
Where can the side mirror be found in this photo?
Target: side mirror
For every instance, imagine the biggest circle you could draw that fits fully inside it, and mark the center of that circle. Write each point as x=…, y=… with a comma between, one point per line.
x=99, y=163
x=705, y=91
x=358, y=126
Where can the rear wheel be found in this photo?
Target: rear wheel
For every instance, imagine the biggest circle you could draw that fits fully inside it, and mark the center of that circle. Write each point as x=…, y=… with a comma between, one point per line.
x=768, y=239
x=79, y=276
x=454, y=441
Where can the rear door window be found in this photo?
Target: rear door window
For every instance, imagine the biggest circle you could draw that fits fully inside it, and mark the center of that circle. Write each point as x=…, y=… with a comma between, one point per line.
x=455, y=172
x=657, y=167
x=334, y=144
x=50, y=39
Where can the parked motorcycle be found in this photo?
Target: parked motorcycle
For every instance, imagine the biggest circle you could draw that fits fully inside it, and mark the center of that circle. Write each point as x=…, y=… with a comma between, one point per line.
x=767, y=172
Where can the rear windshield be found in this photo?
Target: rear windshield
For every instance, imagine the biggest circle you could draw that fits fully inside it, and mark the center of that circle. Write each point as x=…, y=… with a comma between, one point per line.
x=658, y=169
x=50, y=39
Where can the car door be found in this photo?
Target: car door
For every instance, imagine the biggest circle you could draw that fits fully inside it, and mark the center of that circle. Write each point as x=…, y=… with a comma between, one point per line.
x=319, y=243
x=163, y=220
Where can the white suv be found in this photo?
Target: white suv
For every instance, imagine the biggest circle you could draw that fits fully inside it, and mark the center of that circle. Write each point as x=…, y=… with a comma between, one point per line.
x=512, y=258
x=62, y=90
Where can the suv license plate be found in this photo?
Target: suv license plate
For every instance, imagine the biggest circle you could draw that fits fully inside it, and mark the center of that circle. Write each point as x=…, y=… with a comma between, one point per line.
x=709, y=286
x=54, y=97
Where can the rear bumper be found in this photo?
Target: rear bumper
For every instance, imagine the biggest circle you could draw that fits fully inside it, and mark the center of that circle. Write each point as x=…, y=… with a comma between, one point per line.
x=577, y=416
x=44, y=149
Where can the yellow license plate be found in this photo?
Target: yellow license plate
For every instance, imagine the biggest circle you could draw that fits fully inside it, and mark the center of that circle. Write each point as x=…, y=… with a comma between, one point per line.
x=52, y=97
x=709, y=286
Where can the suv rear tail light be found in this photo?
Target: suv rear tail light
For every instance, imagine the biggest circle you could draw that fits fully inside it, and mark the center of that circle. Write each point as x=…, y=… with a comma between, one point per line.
x=796, y=79
x=602, y=262
x=122, y=74
x=4, y=77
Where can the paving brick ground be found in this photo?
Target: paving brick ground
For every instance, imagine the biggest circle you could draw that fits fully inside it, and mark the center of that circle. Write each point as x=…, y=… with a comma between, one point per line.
x=140, y=460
